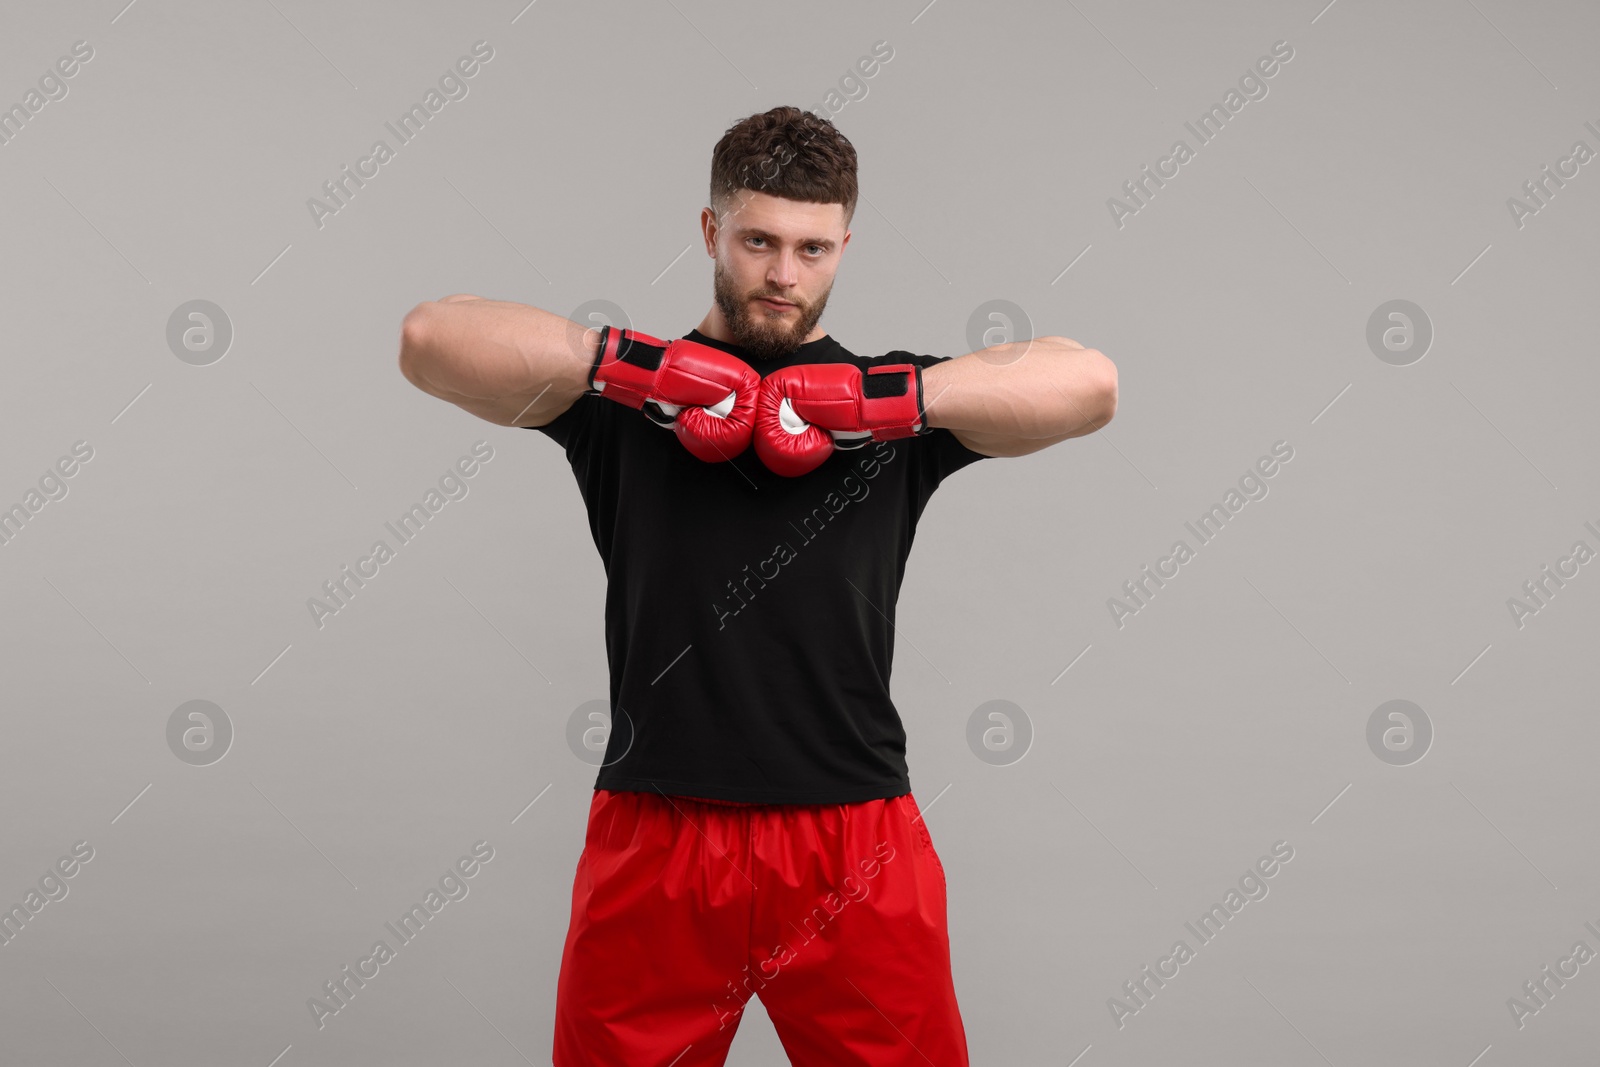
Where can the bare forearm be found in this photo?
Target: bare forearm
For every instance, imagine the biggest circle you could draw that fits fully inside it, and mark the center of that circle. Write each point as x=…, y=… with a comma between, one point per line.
x=1050, y=387
x=510, y=363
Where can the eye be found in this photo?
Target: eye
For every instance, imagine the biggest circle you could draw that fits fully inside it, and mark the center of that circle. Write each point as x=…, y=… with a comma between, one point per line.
x=819, y=248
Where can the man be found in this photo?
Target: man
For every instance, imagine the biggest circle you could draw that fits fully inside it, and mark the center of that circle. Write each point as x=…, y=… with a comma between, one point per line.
x=752, y=830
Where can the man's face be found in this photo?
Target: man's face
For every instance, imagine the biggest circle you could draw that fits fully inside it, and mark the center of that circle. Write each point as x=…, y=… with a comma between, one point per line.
x=768, y=247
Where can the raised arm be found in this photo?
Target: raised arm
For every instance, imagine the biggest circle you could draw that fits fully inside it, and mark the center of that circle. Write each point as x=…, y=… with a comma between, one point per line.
x=508, y=363
x=1013, y=399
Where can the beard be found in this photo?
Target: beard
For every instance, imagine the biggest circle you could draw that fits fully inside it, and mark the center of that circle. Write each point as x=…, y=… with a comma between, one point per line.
x=764, y=333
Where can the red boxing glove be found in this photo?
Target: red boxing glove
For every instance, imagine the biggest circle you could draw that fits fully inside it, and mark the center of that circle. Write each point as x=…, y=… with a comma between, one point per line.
x=805, y=412
x=703, y=394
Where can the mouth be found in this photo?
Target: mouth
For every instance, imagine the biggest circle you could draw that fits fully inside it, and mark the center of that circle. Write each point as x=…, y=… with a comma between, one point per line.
x=776, y=305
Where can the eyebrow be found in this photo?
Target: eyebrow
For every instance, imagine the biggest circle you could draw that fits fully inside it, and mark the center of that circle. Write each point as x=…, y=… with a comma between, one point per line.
x=751, y=231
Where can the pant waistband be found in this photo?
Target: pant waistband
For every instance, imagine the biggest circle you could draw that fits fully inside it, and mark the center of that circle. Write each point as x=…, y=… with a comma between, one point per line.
x=712, y=800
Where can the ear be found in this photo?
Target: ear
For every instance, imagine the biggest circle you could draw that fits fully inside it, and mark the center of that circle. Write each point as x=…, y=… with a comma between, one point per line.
x=708, y=229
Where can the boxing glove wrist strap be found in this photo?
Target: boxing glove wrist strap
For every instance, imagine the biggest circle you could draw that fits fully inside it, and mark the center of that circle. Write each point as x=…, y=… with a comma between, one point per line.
x=625, y=365
x=892, y=402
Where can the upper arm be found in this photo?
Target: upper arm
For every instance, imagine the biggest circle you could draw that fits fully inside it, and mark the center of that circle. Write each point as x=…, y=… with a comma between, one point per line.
x=573, y=428
x=986, y=443
x=1002, y=446
x=529, y=413
x=1011, y=447
x=544, y=417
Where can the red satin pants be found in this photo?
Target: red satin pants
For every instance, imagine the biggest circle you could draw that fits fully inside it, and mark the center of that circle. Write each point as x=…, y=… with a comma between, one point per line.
x=683, y=909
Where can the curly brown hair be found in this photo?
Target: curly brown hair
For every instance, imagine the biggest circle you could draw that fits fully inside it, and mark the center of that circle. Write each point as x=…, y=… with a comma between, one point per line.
x=785, y=152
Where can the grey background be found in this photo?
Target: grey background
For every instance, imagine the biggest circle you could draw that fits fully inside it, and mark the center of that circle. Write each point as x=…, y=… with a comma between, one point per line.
x=1229, y=714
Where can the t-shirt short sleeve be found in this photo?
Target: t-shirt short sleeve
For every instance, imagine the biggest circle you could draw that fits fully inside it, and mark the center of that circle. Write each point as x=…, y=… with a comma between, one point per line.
x=571, y=428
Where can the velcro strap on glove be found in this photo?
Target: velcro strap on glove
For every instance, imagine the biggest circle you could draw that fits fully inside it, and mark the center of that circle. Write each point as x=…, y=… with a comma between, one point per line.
x=625, y=365
x=624, y=370
x=892, y=402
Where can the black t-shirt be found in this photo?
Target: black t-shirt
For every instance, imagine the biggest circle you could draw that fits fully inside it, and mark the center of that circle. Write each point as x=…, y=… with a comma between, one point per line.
x=749, y=616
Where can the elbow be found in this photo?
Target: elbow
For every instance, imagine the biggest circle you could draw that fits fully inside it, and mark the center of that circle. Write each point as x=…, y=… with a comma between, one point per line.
x=1102, y=400
x=413, y=343
x=415, y=330
x=1109, y=398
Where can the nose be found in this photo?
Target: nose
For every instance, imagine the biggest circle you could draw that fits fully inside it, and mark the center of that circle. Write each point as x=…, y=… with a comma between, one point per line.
x=784, y=273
